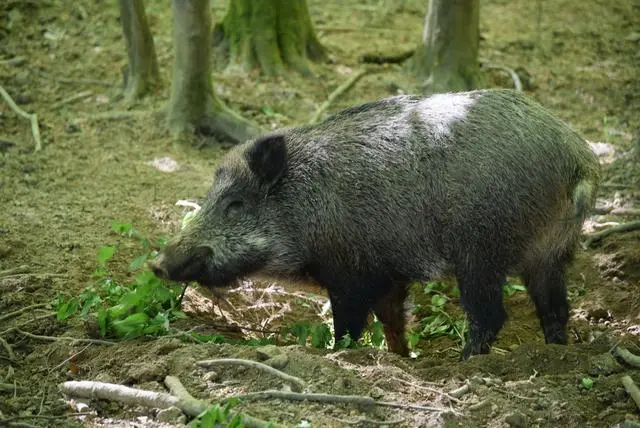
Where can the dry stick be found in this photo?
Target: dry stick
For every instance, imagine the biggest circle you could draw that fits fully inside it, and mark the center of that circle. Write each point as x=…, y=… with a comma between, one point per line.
x=19, y=311
x=178, y=390
x=335, y=94
x=41, y=317
x=628, y=357
x=140, y=397
x=365, y=420
x=330, y=398
x=632, y=389
x=296, y=382
x=459, y=392
x=8, y=348
x=514, y=76
x=33, y=118
x=71, y=99
x=64, y=338
x=625, y=227
x=426, y=388
x=14, y=271
x=113, y=115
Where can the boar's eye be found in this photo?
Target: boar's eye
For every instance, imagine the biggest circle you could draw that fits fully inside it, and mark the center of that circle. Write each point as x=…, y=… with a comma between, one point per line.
x=233, y=207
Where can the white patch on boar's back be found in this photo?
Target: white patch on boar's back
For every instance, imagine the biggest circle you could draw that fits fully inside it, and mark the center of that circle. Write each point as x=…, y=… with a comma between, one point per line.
x=440, y=111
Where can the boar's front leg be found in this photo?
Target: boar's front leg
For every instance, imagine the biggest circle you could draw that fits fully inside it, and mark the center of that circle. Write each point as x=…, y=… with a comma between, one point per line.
x=481, y=298
x=349, y=314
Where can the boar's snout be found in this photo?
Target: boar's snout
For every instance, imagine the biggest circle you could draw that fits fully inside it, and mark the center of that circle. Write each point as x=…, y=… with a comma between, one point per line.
x=175, y=265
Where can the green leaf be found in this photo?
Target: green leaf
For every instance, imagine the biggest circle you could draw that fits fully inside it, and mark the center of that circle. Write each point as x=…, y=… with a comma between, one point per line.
x=105, y=253
x=320, y=335
x=138, y=262
x=66, y=309
x=438, y=300
x=587, y=382
x=132, y=325
x=102, y=321
x=91, y=301
x=377, y=334
x=121, y=228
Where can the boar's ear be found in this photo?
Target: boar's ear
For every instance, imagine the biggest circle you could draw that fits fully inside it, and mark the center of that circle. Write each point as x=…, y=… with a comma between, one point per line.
x=267, y=158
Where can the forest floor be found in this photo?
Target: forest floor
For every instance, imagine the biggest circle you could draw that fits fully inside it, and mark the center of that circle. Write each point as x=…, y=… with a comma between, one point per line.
x=580, y=59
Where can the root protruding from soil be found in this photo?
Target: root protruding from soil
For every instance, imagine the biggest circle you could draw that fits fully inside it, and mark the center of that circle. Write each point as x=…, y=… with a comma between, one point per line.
x=598, y=236
x=297, y=383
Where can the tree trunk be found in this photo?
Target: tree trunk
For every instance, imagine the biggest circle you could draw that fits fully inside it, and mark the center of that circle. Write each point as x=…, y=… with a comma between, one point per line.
x=193, y=106
x=268, y=34
x=448, y=56
x=142, y=72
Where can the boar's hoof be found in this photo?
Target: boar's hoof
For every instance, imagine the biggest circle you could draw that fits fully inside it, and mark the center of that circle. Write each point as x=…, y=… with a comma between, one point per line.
x=471, y=349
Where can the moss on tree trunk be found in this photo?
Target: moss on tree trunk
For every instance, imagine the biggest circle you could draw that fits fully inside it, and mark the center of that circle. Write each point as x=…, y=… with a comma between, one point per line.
x=268, y=34
x=142, y=71
x=448, y=58
x=193, y=105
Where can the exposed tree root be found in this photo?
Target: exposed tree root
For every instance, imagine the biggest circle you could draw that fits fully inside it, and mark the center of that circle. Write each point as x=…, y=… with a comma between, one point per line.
x=514, y=76
x=366, y=421
x=632, y=389
x=33, y=118
x=25, y=309
x=297, y=383
x=427, y=388
x=71, y=99
x=32, y=320
x=64, y=338
x=459, y=392
x=14, y=271
x=625, y=355
x=179, y=398
x=625, y=227
x=337, y=93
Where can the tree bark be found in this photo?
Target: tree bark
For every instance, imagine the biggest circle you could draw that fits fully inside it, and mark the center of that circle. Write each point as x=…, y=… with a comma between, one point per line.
x=448, y=58
x=193, y=106
x=268, y=34
x=142, y=71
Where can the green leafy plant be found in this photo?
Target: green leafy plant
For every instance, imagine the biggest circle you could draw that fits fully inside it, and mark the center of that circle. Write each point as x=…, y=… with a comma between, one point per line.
x=218, y=416
x=509, y=289
x=123, y=310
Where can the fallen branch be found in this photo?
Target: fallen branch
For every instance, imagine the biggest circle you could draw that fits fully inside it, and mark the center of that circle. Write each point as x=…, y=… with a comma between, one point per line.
x=71, y=99
x=297, y=383
x=387, y=59
x=335, y=94
x=426, y=388
x=632, y=389
x=366, y=421
x=625, y=355
x=140, y=397
x=625, y=227
x=459, y=392
x=8, y=348
x=33, y=118
x=360, y=400
x=64, y=338
x=14, y=271
x=19, y=311
x=514, y=76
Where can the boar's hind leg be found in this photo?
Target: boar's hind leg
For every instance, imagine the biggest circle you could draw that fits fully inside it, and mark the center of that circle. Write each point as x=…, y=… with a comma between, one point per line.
x=545, y=283
x=390, y=312
x=481, y=299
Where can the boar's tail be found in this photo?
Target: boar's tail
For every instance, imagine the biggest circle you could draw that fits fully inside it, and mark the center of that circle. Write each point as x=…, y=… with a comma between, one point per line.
x=583, y=198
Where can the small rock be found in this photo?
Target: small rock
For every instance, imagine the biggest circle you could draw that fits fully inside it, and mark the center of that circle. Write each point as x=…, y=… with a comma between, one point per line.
x=278, y=362
x=211, y=376
x=516, y=420
x=170, y=415
x=165, y=164
x=603, y=364
x=267, y=352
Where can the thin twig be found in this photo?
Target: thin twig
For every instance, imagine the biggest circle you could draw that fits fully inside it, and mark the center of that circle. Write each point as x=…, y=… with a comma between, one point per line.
x=38, y=318
x=295, y=382
x=426, y=388
x=64, y=338
x=360, y=400
x=335, y=94
x=85, y=81
x=632, y=389
x=71, y=357
x=25, y=309
x=71, y=99
x=625, y=227
x=366, y=421
x=517, y=83
x=8, y=348
x=625, y=355
x=33, y=118
x=14, y=271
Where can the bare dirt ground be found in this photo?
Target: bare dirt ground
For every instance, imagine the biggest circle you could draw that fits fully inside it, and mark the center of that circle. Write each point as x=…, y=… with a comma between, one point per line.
x=579, y=58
